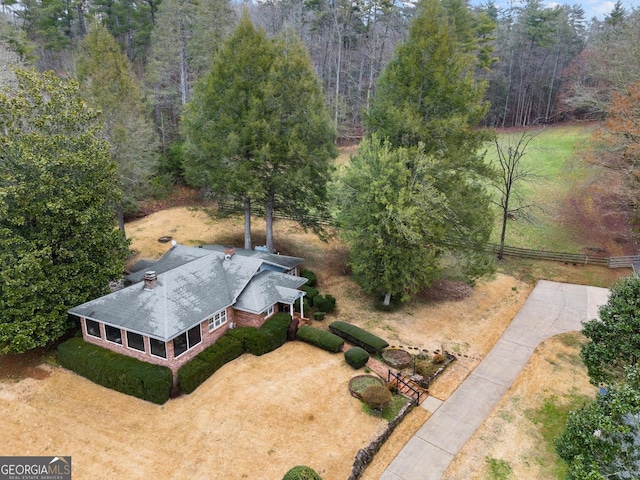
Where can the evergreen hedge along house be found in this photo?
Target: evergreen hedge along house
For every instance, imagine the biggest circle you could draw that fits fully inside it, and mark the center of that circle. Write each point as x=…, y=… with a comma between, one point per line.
x=182, y=303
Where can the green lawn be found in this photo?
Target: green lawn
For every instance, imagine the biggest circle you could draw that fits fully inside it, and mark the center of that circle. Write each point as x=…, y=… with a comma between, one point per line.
x=554, y=156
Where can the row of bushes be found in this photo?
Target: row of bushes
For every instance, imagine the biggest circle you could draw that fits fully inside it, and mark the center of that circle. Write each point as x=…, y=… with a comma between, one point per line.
x=235, y=342
x=118, y=372
x=359, y=337
x=320, y=338
x=313, y=299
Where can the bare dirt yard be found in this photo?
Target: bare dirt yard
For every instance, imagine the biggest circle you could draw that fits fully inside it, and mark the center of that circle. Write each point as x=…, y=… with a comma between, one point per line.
x=258, y=416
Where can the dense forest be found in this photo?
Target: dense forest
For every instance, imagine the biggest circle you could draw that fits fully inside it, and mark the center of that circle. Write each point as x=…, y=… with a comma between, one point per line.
x=541, y=64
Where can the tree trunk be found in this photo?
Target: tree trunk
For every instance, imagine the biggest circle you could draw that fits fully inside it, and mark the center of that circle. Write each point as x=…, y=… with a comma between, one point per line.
x=120, y=213
x=247, y=223
x=269, y=219
x=387, y=299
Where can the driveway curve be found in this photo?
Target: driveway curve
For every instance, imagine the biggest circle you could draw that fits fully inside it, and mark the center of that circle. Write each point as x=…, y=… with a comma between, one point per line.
x=551, y=308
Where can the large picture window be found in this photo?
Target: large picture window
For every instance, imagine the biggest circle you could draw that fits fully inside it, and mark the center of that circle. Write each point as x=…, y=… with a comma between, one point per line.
x=93, y=328
x=158, y=348
x=186, y=341
x=218, y=320
x=135, y=341
x=113, y=334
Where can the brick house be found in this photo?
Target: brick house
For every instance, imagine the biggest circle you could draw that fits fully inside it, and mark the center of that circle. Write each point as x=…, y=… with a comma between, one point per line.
x=182, y=303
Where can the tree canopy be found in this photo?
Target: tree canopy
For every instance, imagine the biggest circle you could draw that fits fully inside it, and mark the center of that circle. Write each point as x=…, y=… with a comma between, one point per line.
x=427, y=105
x=58, y=242
x=256, y=128
x=108, y=84
x=614, y=337
x=602, y=439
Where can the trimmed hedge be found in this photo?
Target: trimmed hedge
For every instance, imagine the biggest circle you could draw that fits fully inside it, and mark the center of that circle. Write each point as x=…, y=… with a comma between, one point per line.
x=358, y=337
x=356, y=357
x=270, y=336
x=205, y=364
x=320, y=338
x=324, y=304
x=310, y=291
x=301, y=472
x=306, y=304
x=118, y=372
x=310, y=276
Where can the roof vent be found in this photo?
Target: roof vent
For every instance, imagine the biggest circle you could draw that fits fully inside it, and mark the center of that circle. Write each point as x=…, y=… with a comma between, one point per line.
x=229, y=252
x=150, y=280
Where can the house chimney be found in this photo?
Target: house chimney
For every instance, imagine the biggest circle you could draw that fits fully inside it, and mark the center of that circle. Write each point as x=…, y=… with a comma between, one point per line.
x=150, y=280
x=229, y=252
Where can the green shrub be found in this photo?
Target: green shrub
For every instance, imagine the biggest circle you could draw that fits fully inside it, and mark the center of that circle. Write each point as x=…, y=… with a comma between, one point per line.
x=320, y=338
x=309, y=275
x=306, y=305
x=118, y=372
x=301, y=472
x=318, y=315
x=270, y=336
x=359, y=337
x=356, y=357
x=324, y=304
x=310, y=291
x=203, y=365
x=377, y=397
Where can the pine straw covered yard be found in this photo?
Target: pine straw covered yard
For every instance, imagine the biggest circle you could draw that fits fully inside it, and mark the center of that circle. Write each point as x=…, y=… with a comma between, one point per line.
x=257, y=416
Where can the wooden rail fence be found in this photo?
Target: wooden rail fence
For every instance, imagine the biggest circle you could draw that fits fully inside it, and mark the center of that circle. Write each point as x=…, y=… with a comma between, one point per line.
x=632, y=261
x=611, y=262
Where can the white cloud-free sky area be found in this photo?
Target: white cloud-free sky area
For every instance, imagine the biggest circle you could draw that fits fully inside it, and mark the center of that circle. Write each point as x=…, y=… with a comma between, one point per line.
x=592, y=8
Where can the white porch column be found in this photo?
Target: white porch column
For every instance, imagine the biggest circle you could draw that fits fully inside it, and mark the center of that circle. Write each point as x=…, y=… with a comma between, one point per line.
x=302, y=305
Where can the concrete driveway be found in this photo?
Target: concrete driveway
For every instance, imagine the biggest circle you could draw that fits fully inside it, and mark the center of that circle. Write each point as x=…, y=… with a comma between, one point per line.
x=551, y=308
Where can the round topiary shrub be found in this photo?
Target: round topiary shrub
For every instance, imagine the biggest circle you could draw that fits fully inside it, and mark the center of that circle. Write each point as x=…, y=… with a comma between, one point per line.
x=318, y=315
x=301, y=472
x=377, y=397
x=356, y=357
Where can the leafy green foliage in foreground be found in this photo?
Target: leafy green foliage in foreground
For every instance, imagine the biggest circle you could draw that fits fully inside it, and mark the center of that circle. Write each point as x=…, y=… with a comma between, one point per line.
x=58, y=245
x=614, y=338
x=301, y=472
x=602, y=439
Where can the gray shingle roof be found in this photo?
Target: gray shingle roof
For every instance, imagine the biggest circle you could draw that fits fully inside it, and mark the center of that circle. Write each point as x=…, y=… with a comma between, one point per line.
x=176, y=256
x=285, y=262
x=193, y=284
x=268, y=288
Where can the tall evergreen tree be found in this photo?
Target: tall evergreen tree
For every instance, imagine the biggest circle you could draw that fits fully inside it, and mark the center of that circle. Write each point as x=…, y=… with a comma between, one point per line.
x=299, y=138
x=428, y=97
x=428, y=93
x=58, y=244
x=382, y=198
x=109, y=84
x=223, y=123
x=257, y=128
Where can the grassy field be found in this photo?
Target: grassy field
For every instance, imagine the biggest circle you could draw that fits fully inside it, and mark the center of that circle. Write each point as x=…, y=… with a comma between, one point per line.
x=554, y=156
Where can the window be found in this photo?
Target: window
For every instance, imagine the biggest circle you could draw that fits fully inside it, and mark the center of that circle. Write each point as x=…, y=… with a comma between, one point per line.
x=93, y=328
x=218, y=320
x=179, y=345
x=186, y=341
x=158, y=348
x=135, y=341
x=194, y=336
x=113, y=334
x=268, y=312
